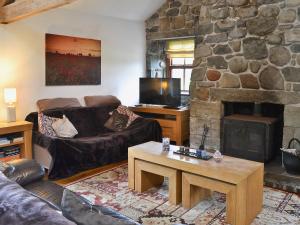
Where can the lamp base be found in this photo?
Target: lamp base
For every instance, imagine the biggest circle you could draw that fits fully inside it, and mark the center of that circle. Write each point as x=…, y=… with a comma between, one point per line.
x=11, y=114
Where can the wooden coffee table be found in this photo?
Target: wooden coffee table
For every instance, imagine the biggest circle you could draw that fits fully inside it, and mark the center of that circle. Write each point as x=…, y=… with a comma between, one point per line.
x=241, y=180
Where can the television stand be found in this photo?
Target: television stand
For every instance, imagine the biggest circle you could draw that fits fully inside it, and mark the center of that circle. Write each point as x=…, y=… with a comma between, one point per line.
x=175, y=123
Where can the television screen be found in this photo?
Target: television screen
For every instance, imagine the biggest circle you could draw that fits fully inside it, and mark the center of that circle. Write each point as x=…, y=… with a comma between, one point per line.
x=160, y=91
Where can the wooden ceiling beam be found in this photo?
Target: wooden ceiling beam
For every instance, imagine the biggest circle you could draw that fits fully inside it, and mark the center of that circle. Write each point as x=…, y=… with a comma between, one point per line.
x=24, y=8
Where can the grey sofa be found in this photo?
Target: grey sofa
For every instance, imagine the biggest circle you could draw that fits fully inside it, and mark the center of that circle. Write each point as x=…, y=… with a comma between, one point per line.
x=27, y=198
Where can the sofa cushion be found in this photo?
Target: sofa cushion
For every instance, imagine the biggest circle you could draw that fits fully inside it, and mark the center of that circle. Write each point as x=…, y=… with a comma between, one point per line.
x=18, y=206
x=56, y=103
x=64, y=128
x=101, y=100
x=117, y=121
x=80, y=211
x=45, y=124
x=125, y=111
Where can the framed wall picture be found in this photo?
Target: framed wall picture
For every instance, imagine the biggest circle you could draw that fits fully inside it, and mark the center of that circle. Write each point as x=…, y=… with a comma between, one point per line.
x=72, y=60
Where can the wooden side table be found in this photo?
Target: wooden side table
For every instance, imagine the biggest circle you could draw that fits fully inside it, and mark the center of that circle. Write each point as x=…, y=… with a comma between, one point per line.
x=25, y=130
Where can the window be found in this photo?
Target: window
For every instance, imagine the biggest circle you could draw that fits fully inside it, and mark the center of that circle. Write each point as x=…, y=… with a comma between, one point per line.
x=182, y=68
x=180, y=61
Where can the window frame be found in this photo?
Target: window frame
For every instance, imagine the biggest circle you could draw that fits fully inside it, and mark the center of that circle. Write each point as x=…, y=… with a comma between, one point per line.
x=184, y=67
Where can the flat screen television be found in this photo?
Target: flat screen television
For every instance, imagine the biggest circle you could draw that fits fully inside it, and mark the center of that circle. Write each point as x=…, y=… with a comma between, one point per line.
x=160, y=91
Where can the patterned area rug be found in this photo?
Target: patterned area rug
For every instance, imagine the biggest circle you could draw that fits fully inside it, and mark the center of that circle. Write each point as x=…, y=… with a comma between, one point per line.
x=110, y=189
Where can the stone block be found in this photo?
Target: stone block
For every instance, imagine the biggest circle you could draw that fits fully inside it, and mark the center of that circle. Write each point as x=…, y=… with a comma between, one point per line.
x=292, y=115
x=274, y=39
x=213, y=75
x=292, y=35
x=270, y=79
x=238, y=64
x=219, y=13
x=291, y=74
x=292, y=3
x=237, y=2
x=255, y=48
x=164, y=24
x=287, y=16
x=205, y=28
x=237, y=33
x=266, y=2
x=205, y=84
x=229, y=81
x=204, y=110
x=235, y=45
x=246, y=12
x=224, y=25
x=296, y=87
x=222, y=50
x=178, y=22
x=203, y=51
x=216, y=38
x=295, y=48
x=198, y=74
x=249, y=81
x=269, y=11
x=254, y=66
x=288, y=134
x=202, y=93
x=217, y=62
x=261, y=25
x=279, y=55
x=172, y=12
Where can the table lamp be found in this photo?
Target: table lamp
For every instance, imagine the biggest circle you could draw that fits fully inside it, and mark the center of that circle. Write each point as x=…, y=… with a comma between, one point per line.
x=10, y=98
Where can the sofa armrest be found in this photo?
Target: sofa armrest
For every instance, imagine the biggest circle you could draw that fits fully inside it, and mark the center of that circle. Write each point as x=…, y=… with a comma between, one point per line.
x=25, y=171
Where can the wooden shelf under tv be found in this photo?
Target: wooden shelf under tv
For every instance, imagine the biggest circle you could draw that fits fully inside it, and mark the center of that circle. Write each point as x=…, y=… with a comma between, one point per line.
x=175, y=123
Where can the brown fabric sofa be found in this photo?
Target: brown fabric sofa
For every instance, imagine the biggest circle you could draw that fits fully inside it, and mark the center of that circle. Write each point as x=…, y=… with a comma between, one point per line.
x=95, y=145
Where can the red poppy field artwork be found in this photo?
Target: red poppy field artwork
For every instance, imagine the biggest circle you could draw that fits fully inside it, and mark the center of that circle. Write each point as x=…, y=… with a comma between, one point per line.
x=72, y=61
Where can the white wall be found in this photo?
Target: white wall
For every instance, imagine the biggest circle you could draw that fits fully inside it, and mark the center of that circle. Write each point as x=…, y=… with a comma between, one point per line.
x=22, y=57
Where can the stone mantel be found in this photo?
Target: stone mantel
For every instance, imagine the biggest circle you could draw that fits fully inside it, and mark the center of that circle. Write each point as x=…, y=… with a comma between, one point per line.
x=258, y=96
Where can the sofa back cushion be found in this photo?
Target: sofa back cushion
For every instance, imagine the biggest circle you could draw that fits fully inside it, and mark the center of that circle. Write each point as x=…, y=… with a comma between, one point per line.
x=57, y=103
x=88, y=121
x=18, y=206
x=101, y=100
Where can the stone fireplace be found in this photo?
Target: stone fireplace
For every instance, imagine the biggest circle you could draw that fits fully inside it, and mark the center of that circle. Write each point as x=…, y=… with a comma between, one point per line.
x=246, y=51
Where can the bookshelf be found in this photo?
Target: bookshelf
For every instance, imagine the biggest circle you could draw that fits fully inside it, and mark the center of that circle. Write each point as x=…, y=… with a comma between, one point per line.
x=21, y=130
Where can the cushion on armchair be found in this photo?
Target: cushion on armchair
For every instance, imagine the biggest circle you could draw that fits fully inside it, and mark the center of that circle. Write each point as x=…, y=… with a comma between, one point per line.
x=25, y=171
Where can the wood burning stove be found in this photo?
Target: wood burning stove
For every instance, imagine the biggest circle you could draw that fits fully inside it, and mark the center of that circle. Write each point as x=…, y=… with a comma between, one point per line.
x=251, y=135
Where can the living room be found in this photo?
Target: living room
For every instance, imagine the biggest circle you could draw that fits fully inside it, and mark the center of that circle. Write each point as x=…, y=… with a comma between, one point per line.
x=228, y=78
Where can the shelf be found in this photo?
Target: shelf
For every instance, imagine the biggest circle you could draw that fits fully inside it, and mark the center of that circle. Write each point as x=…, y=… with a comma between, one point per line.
x=9, y=158
x=12, y=144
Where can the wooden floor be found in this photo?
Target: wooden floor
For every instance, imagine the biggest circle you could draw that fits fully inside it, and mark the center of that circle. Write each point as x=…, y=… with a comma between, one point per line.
x=88, y=173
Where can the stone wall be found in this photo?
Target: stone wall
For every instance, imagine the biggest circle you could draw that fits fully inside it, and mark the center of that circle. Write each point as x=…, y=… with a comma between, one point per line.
x=246, y=50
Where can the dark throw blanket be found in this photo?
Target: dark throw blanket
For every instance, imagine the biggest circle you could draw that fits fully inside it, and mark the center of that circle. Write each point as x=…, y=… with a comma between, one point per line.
x=95, y=145
x=19, y=207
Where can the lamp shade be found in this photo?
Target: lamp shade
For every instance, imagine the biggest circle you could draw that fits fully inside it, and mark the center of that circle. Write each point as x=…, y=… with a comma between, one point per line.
x=10, y=95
